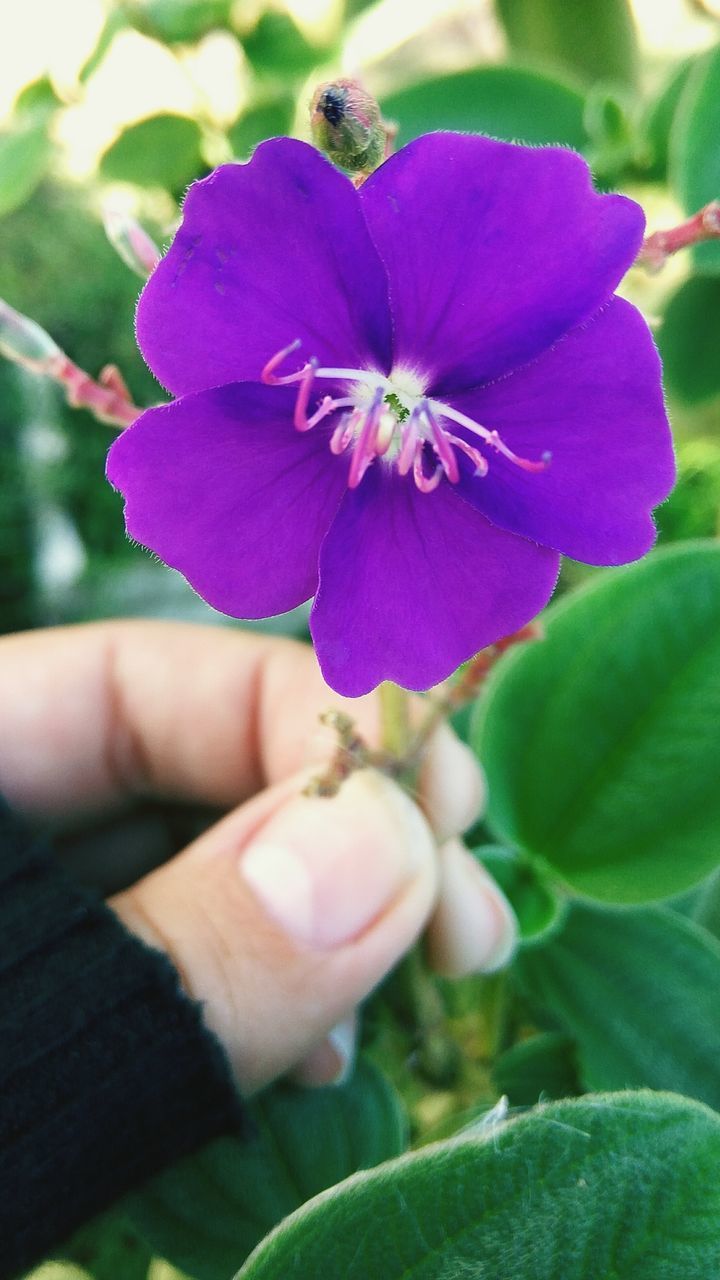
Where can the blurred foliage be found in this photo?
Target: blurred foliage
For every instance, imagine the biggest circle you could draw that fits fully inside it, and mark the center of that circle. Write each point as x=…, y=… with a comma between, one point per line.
x=577, y=75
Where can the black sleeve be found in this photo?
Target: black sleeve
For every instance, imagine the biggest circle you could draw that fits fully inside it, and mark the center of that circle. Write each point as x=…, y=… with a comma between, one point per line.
x=106, y=1070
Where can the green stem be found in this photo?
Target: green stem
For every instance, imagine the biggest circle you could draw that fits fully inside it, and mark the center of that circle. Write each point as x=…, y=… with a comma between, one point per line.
x=438, y=1053
x=395, y=718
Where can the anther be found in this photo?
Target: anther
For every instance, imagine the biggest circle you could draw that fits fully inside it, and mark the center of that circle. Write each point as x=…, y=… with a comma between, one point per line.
x=441, y=445
x=268, y=374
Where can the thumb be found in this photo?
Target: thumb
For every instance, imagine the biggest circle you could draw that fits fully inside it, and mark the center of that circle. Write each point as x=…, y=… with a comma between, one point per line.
x=288, y=912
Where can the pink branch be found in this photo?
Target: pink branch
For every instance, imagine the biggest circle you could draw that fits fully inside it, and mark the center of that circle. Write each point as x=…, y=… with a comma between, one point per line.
x=657, y=248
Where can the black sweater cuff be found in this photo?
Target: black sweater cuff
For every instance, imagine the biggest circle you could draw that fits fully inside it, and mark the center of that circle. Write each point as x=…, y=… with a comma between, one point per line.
x=107, y=1072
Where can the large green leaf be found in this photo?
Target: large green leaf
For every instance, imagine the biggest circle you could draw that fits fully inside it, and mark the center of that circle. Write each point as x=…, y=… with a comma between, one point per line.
x=162, y=151
x=639, y=992
x=695, y=148
x=601, y=742
x=689, y=339
x=24, y=154
x=207, y=1213
x=612, y=1187
x=595, y=38
x=512, y=103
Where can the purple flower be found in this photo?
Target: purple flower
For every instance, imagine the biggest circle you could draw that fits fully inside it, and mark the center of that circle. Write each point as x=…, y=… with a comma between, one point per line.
x=405, y=399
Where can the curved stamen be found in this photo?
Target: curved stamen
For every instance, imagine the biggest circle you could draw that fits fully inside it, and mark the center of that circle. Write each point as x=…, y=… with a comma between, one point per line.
x=425, y=484
x=490, y=437
x=345, y=431
x=441, y=445
x=365, y=446
x=406, y=455
x=300, y=417
x=475, y=456
x=268, y=375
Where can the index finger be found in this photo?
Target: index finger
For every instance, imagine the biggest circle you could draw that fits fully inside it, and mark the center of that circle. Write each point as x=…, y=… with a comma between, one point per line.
x=95, y=714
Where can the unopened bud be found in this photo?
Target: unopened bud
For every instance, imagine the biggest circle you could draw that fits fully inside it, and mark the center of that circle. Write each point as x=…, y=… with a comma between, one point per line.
x=347, y=125
x=131, y=242
x=25, y=342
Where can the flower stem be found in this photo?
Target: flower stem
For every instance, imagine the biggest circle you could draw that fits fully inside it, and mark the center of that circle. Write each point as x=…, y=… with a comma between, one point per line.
x=657, y=248
x=438, y=1054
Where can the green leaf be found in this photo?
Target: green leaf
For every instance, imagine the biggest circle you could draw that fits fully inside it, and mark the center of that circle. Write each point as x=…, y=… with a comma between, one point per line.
x=25, y=151
x=695, y=151
x=693, y=508
x=179, y=21
x=265, y=120
x=658, y=120
x=638, y=992
x=537, y=905
x=162, y=151
x=276, y=46
x=537, y=1069
x=596, y=39
x=614, y=1187
x=108, y=1248
x=601, y=743
x=38, y=96
x=511, y=103
x=207, y=1213
x=689, y=340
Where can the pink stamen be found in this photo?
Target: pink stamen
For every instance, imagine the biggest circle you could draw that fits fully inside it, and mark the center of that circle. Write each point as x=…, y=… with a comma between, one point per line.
x=425, y=484
x=364, y=452
x=344, y=432
x=525, y=463
x=475, y=456
x=268, y=375
x=441, y=445
x=300, y=418
x=406, y=455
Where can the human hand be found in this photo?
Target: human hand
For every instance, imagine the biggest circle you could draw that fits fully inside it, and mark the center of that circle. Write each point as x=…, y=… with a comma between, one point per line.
x=284, y=915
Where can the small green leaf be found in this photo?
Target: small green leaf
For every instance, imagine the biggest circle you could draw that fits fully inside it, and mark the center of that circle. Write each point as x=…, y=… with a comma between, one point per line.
x=510, y=103
x=601, y=743
x=695, y=151
x=612, y=1187
x=638, y=992
x=540, y=910
x=658, y=120
x=25, y=151
x=596, y=39
x=689, y=340
x=38, y=96
x=265, y=120
x=179, y=21
x=207, y=1213
x=276, y=46
x=537, y=1069
x=162, y=151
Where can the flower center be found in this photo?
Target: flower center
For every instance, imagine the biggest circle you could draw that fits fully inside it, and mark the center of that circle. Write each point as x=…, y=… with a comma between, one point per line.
x=392, y=419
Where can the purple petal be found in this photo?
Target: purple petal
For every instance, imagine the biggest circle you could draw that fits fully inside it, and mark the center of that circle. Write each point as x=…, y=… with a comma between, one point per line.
x=493, y=251
x=222, y=487
x=413, y=584
x=269, y=251
x=595, y=402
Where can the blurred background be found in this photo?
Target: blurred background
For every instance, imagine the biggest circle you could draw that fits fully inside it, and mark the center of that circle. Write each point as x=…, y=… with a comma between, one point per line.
x=125, y=102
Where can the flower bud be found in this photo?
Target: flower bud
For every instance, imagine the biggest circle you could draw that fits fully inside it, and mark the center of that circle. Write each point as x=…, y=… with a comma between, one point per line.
x=130, y=242
x=347, y=126
x=23, y=341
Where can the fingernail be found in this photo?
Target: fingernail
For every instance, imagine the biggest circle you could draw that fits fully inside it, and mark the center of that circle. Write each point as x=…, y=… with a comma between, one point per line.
x=453, y=785
x=474, y=929
x=326, y=869
x=331, y=1062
